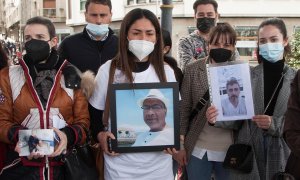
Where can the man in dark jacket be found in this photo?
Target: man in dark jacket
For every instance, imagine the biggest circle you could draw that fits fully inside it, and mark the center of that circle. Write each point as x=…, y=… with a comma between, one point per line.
x=91, y=48
x=292, y=129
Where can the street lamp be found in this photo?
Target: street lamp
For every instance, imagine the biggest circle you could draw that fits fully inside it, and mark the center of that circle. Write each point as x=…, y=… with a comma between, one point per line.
x=166, y=15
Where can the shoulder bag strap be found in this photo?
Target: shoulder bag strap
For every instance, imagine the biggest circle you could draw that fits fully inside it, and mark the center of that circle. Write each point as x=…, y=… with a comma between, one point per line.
x=201, y=103
x=276, y=88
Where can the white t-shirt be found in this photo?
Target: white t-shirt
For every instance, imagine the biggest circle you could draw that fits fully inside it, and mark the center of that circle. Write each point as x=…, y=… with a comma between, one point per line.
x=230, y=110
x=130, y=166
x=165, y=137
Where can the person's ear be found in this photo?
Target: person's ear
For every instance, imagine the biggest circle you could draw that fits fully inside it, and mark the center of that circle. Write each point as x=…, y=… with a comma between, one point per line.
x=285, y=41
x=217, y=16
x=86, y=15
x=111, y=14
x=53, y=42
x=166, y=49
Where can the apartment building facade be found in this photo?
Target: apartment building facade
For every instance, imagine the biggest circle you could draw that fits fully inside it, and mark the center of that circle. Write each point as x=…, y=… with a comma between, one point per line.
x=68, y=17
x=244, y=15
x=16, y=12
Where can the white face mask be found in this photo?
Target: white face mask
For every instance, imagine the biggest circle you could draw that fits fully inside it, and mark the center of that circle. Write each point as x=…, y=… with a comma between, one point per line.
x=97, y=30
x=140, y=48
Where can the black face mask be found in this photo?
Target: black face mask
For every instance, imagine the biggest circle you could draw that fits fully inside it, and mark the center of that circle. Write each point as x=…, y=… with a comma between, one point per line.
x=205, y=24
x=37, y=50
x=220, y=55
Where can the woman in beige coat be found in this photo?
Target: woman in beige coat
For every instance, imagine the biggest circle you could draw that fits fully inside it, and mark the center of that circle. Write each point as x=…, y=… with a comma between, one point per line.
x=201, y=152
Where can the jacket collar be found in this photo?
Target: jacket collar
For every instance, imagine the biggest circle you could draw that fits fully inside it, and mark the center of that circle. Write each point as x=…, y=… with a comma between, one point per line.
x=287, y=71
x=203, y=62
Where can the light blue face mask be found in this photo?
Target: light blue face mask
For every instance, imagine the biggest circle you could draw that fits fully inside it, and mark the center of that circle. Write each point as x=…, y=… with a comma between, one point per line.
x=272, y=52
x=97, y=30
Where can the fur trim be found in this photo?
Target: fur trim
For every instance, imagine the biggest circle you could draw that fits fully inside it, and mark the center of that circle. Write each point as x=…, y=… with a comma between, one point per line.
x=88, y=83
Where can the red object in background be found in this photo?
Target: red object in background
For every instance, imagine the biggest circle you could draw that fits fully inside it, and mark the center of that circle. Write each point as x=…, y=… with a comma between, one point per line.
x=19, y=55
x=199, y=50
x=254, y=54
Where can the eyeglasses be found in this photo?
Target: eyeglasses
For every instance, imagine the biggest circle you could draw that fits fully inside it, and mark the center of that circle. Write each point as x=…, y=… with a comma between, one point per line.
x=153, y=107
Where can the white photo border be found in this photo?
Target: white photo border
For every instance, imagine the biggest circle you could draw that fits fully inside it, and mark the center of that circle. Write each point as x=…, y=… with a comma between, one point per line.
x=240, y=71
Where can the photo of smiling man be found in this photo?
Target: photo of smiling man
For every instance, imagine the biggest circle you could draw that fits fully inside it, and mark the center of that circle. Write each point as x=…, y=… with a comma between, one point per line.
x=154, y=106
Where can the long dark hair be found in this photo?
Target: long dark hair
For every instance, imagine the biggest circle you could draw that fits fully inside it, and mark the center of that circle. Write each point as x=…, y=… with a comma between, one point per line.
x=125, y=59
x=279, y=24
x=3, y=58
x=166, y=38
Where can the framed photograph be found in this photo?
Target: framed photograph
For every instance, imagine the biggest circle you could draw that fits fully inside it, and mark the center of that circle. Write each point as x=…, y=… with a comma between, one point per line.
x=36, y=141
x=144, y=116
x=230, y=90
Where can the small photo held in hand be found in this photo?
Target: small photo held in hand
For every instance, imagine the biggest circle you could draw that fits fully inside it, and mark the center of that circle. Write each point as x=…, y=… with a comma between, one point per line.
x=36, y=141
x=230, y=90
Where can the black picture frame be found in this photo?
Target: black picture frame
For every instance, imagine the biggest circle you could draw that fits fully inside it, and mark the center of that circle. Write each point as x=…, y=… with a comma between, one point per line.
x=127, y=120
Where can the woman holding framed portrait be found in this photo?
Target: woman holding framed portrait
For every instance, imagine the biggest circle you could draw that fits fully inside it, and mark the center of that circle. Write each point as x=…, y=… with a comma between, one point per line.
x=204, y=146
x=139, y=60
x=271, y=81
